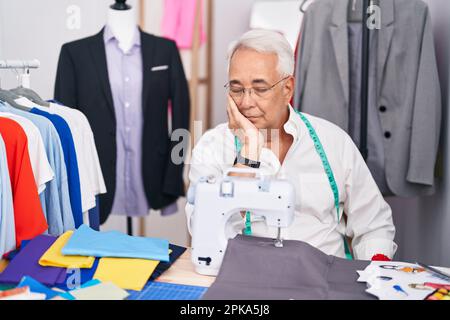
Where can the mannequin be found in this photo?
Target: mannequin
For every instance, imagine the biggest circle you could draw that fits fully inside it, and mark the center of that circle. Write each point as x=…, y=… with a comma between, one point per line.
x=122, y=19
x=129, y=111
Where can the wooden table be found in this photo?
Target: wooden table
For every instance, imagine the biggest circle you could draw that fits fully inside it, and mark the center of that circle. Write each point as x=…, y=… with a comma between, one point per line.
x=182, y=272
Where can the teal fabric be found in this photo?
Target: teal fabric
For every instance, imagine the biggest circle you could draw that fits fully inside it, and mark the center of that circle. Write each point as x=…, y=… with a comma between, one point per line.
x=87, y=242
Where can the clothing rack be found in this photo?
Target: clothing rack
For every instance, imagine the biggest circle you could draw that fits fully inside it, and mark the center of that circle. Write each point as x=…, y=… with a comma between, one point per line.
x=25, y=65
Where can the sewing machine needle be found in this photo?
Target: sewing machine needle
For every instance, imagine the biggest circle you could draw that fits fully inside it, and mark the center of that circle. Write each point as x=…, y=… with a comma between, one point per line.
x=279, y=241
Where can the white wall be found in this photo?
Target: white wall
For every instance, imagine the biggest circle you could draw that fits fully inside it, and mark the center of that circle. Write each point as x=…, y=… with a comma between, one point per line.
x=37, y=29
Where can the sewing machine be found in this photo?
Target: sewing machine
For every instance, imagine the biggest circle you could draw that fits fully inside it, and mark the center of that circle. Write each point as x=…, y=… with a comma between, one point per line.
x=216, y=200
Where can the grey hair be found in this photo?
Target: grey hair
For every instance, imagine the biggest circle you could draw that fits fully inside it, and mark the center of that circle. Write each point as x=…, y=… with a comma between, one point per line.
x=265, y=41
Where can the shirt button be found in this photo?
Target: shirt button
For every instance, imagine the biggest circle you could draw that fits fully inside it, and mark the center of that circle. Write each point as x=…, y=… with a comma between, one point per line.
x=127, y=79
x=383, y=109
x=127, y=129
x=127, y=105
x=387, y=134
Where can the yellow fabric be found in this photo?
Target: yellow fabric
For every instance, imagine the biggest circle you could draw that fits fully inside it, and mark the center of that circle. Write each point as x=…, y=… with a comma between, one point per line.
x=130, y=274
x=3, y=265
x=54, y=258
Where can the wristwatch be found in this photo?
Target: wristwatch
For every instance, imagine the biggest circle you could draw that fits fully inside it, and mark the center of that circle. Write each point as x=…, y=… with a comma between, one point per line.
x=247, y=162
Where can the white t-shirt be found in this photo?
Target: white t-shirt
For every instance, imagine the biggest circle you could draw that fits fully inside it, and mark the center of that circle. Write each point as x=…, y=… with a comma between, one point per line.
x=369, y=217
x=93, y=183
x=42, y=170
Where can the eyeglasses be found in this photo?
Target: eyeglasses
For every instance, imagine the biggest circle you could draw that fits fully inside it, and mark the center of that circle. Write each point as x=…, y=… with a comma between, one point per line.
x=238, y=92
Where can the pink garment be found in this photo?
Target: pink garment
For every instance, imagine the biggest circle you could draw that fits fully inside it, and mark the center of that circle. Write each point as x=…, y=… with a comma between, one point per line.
x=178, y=22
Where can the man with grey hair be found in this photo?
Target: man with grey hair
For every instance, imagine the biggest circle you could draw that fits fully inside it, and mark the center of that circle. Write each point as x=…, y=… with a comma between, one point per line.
x=336, y=197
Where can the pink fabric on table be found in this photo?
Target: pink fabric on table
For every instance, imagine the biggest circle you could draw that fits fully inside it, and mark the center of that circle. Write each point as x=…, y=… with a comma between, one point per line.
x=178, y=22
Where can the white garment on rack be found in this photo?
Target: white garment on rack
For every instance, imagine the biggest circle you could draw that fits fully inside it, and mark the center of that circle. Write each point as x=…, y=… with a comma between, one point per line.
x=95, y=171
x=87, y=151
x=91, y=177
x=42, y=170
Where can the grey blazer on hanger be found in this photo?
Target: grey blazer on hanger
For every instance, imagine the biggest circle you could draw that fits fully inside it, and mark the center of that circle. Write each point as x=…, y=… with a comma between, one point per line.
x=408, y=97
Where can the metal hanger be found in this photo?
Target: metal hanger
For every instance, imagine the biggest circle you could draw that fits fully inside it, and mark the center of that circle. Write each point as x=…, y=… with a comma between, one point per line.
x=302, y=5
x=9, y=98
x=31, y=95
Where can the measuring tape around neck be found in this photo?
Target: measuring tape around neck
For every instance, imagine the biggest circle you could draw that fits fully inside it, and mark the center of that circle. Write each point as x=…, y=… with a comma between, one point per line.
x=328, y=171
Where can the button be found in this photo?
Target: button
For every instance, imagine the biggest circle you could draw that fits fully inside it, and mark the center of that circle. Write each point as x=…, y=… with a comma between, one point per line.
x=127, y=105
x=387, y=134
x=127, y=129
x=383, y=109
x=127, y=79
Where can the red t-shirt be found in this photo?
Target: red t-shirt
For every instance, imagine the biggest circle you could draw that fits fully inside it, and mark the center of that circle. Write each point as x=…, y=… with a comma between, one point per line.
x=28, y=215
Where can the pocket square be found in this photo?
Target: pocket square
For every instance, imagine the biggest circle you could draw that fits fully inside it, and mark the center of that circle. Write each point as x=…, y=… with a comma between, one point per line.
x=159, y=68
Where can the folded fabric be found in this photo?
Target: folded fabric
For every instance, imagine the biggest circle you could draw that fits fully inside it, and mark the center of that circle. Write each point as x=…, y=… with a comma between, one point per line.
x=176, y=252
x=3, y=265
x=54, y=258
x=130, y=274
x=254, y=269
x=12, y=254
x=114, y=244
x=37, y=287
x=4, y=287
x=22, y=294
x=89, y=283
x=13, y=292
x=101, y=291
x=26, y=263
x=85, y=276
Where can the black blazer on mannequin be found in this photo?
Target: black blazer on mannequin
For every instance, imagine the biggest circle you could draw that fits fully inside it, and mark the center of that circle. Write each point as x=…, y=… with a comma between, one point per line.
x=82, y=82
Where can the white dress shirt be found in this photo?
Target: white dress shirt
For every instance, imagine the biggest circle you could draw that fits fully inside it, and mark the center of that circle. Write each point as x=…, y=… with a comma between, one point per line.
x=369, y=218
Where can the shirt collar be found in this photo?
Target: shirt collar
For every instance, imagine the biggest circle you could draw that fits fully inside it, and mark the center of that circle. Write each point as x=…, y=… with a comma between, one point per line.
x=293, y=125
x=108, y=36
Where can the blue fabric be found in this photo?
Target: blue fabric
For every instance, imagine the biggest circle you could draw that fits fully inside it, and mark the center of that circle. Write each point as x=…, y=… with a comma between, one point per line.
x=55, y=199
x=87, y=242
x=37, y=287
x=177, y=251
x=7, y=225
x=70, y=158
x=94, y=216
x=85, y=276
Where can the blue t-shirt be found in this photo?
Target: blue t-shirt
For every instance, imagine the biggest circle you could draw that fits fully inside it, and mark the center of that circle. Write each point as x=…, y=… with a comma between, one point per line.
x=70, y=158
